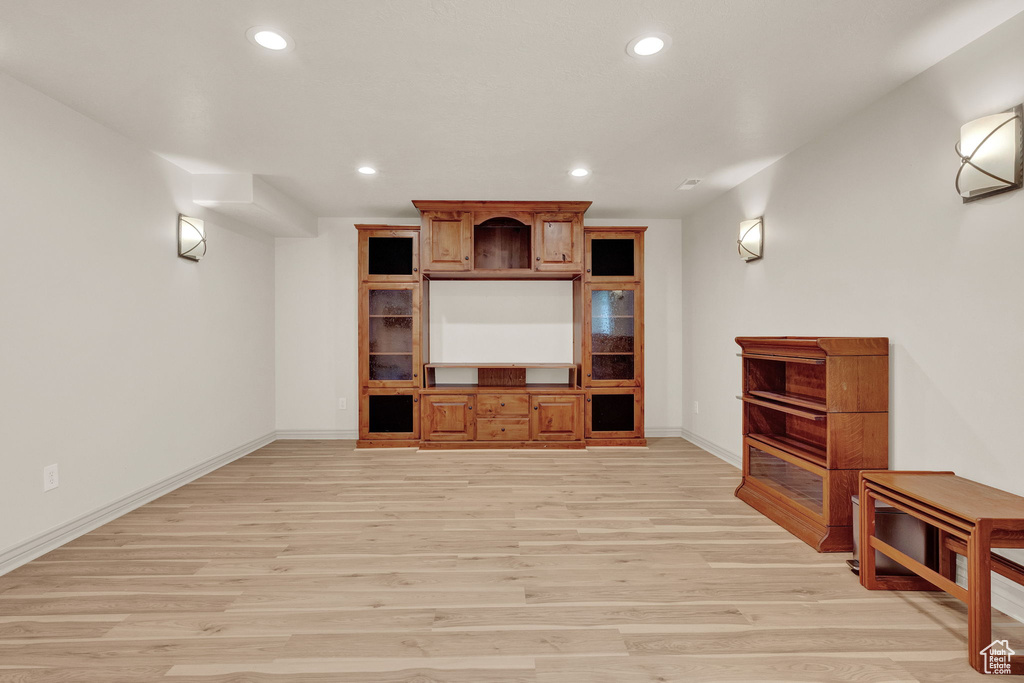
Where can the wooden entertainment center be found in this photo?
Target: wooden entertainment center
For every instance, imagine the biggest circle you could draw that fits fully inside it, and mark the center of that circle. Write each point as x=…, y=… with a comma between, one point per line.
x=600, y=401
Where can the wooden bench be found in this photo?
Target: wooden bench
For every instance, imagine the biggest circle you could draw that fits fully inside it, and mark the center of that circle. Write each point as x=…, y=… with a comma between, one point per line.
x=971, y=519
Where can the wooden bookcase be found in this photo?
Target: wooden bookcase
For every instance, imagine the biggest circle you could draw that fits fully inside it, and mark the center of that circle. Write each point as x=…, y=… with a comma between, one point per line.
x=599, y=401
x=613, y=336
x=815, y=413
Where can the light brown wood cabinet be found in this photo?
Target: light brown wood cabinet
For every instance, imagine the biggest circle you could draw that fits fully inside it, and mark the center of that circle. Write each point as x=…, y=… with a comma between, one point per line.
x=613, y=334
x=389, y=346
x=558, y=242
x=601, y=400
x=448, y=417
x=556, y=417
x=448, y=240
x=815, y=413
x=389, y=253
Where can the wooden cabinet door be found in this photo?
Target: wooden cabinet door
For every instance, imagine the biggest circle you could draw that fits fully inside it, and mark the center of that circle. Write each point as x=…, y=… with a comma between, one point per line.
x=447, y=418
x=558, y=242
x=614, y=255
x=389, y=414
x=556, y=418
x=613, y=335
x=614, y=414
x=389, y=335
x=389, y=254
x=447, y=241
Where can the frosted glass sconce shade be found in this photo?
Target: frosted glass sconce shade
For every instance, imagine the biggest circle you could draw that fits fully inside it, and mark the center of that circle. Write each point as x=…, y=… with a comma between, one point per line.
x=990, y=155
x=191, y=238
x=751, y=241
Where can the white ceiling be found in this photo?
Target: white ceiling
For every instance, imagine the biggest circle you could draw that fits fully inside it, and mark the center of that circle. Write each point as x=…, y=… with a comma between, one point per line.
x=481, y=99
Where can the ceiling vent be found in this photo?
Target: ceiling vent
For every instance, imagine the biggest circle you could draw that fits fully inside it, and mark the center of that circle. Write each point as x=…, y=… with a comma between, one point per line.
x=689, y=184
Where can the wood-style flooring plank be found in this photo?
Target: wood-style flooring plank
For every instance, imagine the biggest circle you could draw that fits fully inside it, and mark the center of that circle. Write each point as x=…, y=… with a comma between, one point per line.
x=313, y=562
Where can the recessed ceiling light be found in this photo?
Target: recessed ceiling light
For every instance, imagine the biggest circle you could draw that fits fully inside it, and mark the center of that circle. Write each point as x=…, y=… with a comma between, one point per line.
x=367, y=170
x=648, y=44
x=270, y=38
x=579, y=172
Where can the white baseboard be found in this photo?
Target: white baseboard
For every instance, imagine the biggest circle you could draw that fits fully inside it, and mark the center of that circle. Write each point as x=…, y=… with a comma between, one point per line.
x=656, y=432
x=318, y=434
x=27, y=551
x=714, y=449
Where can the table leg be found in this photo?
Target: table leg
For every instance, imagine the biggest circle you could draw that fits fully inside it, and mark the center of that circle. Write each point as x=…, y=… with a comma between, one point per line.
x=979, y=590
x=868, y=577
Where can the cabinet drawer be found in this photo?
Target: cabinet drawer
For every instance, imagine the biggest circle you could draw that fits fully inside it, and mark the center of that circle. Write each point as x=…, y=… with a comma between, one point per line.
x=490, y=429
x=503, y=405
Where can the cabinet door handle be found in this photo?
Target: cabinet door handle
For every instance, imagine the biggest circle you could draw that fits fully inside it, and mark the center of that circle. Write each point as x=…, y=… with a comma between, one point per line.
x=588, y=400
x=588, y=374
x=535, y=407
x=467, y=258
x=415, y=400
x=416, y=270
x=471, y=407
x=538, y=258
x=588, y=270
x=415, y=375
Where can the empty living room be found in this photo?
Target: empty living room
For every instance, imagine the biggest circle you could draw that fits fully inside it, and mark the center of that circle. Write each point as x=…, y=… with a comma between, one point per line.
x=511, y=341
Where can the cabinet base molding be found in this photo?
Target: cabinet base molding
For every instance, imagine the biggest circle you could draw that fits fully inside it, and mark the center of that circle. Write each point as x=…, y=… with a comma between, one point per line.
x=498, y=445
x=824, y=539
x=375, y=443
x=611, y=443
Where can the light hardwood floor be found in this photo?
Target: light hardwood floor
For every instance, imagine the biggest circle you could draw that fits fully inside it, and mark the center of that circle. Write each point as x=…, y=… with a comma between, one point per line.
x=311, y=561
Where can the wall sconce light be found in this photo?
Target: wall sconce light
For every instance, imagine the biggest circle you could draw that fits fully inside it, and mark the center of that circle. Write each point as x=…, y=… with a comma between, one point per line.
x=750, y=244
x=191, y=238
x=990, y=153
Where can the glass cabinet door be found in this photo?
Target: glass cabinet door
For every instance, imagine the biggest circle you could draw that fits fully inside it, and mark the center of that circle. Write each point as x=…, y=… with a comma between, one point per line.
x=392, y=335
x=614, y=319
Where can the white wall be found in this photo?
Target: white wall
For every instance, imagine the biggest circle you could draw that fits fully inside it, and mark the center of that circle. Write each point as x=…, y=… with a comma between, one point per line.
x=317, y=297
x=121, y=362
x=866, y=236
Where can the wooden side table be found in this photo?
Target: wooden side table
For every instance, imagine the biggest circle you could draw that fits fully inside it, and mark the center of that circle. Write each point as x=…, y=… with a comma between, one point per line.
x=971, y=518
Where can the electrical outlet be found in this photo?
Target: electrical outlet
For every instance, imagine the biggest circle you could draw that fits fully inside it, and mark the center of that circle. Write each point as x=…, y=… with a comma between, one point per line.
x=342, y=404
x=696, y=408
x=50, y=478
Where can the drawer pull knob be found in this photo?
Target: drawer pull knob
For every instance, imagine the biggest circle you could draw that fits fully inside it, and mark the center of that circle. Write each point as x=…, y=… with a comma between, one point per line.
x=502, y=429
x=502, y=405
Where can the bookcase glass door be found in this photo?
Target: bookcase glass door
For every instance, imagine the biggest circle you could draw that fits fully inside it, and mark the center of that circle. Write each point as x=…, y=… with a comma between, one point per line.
x=612, y=334
x=390, y=335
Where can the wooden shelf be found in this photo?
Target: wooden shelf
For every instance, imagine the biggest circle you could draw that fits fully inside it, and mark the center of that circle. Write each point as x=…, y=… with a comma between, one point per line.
x=390, y=316
x=784, y=408
x=611, y=353
x=390, y=353
x=784, y=359
x=801, y=449
x=792, y=399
